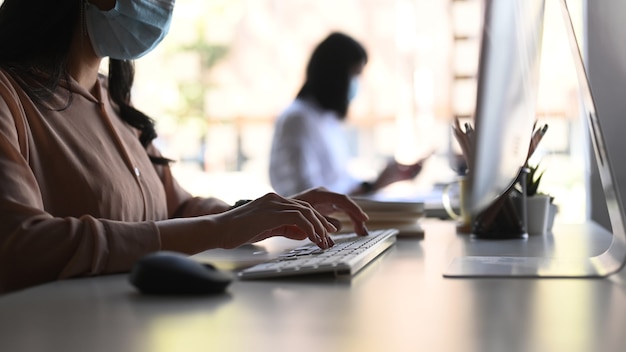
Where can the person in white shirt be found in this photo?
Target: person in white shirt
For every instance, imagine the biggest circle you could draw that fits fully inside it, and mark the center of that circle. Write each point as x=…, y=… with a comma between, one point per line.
x=309, y=147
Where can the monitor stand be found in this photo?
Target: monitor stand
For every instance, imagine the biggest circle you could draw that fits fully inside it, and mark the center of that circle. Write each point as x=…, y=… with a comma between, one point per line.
x=604, y=252
x=572, y=250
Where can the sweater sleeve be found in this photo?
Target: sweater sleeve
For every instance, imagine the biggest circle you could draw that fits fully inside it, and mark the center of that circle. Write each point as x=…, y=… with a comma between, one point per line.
x=36, y=247
x=180, y=203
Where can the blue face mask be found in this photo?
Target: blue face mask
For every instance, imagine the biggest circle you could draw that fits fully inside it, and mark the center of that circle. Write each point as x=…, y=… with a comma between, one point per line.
x=129, y=30
x=353, y=89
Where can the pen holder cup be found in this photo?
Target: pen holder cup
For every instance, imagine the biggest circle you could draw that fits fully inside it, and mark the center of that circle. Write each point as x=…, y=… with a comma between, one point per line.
x=506, y=216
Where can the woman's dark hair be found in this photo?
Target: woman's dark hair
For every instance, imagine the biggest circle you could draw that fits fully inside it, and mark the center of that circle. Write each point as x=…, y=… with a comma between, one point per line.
x=329, y=70
x=35, y=37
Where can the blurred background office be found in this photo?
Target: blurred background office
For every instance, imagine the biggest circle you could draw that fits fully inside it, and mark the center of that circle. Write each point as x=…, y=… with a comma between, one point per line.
x=228, y=67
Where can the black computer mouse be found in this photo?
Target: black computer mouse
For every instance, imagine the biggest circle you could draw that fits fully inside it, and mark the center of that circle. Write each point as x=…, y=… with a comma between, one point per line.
x=168, y=272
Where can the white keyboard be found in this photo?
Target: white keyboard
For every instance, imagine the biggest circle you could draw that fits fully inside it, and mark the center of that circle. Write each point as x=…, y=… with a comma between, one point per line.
x=349, y=255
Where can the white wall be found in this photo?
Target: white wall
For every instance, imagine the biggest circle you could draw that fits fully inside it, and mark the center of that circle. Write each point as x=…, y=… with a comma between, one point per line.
x=606, y=53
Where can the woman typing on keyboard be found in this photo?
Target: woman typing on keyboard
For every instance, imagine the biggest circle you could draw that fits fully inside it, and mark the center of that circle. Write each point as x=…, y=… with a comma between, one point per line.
x=83, y=190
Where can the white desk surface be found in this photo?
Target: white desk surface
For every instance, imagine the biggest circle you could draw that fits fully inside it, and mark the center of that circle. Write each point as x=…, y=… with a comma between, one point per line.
x=400, y=302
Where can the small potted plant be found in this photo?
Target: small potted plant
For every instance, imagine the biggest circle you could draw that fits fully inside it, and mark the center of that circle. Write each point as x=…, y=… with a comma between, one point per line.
x=539, y=209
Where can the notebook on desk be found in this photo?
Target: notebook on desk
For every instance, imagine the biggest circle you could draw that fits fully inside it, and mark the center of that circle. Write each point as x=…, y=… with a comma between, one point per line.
x=429, y=197
x=405, y=216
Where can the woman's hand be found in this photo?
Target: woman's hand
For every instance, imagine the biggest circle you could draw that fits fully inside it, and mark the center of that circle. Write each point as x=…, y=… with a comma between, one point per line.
x=299, y=217
x=395, y=172
x=327, y=202
x=273, y=215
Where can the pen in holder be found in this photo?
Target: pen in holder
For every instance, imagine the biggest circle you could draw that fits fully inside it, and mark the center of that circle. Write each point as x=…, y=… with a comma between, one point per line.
x=505, y=217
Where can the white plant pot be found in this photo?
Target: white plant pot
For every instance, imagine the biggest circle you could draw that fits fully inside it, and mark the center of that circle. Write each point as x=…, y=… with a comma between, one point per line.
x=551, y=216
x=537, y=214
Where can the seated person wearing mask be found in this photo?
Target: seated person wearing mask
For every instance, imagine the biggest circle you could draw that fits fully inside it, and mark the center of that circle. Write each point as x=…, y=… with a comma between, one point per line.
x=83, y=190
x=309, y=147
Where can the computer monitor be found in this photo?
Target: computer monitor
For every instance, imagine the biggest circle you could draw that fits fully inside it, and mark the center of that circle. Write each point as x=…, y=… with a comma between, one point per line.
x=508, y=80
x=504, y=117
